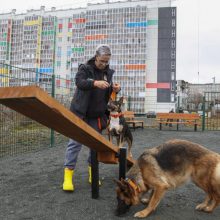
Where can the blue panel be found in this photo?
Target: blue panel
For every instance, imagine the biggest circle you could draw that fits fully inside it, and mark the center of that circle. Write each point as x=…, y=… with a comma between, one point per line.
x=46, y=70
x=137, y=24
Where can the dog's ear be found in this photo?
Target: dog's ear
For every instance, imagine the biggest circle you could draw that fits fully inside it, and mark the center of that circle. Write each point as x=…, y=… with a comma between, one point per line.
x=128, y=186
x=120, y=184
x=121, y=100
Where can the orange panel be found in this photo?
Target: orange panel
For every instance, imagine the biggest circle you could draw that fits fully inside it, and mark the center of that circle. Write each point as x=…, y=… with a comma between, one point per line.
x=96, y=37
x=135, y=66
x=80, y=20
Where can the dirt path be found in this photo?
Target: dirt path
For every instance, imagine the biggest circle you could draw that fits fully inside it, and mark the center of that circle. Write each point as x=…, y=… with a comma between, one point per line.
x=30, y=185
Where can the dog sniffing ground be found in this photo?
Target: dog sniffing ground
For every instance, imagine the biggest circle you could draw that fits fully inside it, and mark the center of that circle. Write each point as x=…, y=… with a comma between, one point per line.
x=30, y=185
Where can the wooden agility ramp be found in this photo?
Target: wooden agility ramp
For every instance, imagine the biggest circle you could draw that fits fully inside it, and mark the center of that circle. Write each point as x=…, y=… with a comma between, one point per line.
x=36, y=104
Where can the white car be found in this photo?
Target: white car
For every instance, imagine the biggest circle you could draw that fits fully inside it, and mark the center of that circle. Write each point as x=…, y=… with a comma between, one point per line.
x=200, y=113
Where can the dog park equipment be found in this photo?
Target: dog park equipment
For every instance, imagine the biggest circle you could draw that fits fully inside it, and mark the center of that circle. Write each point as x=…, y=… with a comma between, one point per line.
x=35, y=103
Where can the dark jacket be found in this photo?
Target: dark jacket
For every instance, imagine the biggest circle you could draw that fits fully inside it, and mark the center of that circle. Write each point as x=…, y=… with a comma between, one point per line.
x=88, y=101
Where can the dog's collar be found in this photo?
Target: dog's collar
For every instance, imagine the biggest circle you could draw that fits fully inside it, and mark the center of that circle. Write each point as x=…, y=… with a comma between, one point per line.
x=116, y=115
x=133, y=185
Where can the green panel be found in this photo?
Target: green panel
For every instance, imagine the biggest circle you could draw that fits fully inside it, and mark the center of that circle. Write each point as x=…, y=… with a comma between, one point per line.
x=78, y=49
x=58, y=63
x=47, y=32
x=3, y=43
x=152, y=22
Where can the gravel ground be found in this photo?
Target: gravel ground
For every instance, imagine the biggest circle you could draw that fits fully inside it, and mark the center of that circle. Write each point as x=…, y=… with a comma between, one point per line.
x=30, y=185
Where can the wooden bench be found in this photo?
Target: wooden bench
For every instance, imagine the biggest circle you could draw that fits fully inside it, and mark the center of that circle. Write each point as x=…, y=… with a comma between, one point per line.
x=178, y=118
x=130, y=119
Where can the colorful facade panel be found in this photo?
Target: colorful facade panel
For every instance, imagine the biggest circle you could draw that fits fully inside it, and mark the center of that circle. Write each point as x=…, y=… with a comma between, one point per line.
x=158, y=85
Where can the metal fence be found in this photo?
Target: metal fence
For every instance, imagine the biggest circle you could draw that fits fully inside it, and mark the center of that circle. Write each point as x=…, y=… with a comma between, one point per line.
x=19, y=134
x=211, y=111
x=208, y=107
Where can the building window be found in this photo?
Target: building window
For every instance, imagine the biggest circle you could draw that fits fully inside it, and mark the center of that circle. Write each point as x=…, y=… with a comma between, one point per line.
x=172, y=75
x=173, y=33
x=173, y=86
x=173, y=54
x=173, y=43
x=173, y=12
x=173, y=64
x=173, y=22
x=58, y=64
x=172, y=98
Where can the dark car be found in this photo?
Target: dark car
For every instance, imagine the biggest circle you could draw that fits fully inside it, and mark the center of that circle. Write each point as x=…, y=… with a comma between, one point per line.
x=151, y=114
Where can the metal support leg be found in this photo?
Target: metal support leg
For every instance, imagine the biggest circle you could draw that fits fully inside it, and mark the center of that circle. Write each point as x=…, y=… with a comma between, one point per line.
x=195, y=127
x=122, y=162
x=95, y=174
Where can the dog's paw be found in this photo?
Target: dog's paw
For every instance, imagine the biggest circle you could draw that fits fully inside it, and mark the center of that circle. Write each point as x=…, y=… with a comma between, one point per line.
x=204, y=208
x=145, y=201
x=200, y=207
x=140, y=214
x=208, y=209
x=130, y=155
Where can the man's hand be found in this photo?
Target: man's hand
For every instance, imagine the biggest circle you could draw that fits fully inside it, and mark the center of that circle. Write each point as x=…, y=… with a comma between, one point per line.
x=102, y=84
x=116, y=87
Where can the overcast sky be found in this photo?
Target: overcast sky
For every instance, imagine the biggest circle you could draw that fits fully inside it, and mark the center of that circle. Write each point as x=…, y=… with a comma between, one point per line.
x=198, y=34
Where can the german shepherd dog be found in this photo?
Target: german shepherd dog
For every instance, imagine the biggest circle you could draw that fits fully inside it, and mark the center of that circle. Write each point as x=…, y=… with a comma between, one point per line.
x=117, y=125
x=168, y=166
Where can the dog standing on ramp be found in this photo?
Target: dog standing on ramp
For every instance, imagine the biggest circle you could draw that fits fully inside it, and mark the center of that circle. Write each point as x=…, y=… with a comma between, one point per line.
x=117, y=125
x=168, y=166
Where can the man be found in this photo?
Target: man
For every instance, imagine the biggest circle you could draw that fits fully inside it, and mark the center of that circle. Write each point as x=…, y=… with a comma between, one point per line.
x=170, y=124
x=94, y=87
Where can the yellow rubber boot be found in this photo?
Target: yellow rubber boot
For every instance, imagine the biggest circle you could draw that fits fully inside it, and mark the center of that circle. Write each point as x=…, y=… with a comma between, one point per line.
x=68, y=180
x=90, y=176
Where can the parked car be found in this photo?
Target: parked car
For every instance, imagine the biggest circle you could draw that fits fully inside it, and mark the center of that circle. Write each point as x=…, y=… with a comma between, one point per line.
x=151, y=114
x=200, y=113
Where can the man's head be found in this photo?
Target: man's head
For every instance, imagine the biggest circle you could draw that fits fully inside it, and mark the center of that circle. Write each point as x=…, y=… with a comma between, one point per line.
x=102, y=56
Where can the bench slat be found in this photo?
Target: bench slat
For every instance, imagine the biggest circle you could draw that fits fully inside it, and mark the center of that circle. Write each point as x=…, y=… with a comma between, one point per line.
x=177, y=116
x=130, y=119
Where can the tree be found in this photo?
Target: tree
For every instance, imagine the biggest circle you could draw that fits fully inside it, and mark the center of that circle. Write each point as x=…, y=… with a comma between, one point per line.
x=195, y=99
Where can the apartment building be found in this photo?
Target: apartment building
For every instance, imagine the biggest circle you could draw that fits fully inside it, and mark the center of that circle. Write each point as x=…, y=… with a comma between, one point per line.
x=141, y=34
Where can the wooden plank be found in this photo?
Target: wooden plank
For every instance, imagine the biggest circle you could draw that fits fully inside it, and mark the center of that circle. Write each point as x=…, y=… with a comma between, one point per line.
x=36, y=104
x=179, y=122
x=177, y=116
